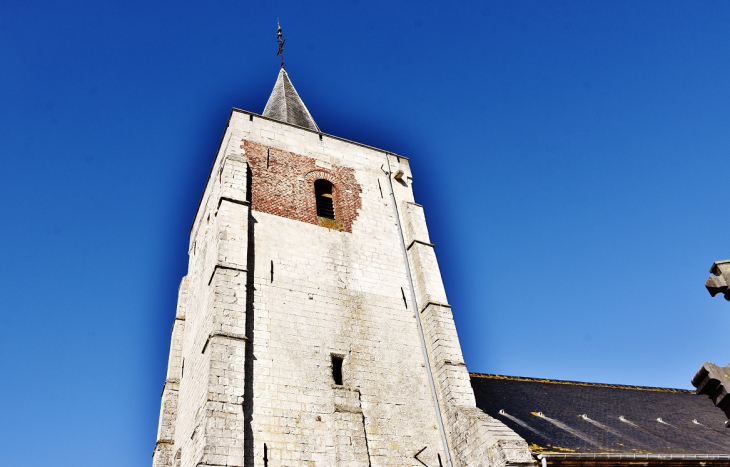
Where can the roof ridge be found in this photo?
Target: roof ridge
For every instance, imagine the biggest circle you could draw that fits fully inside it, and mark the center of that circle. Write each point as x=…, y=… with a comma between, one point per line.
x=299, y=99
x=285, y=77
x=580, y=383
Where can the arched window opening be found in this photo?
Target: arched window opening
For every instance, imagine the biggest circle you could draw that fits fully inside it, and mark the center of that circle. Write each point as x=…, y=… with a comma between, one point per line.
x=325, y=202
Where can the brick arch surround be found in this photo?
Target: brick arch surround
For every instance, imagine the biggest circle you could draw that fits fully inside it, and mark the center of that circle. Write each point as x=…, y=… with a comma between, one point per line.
x=314, y=175
x=282, y=184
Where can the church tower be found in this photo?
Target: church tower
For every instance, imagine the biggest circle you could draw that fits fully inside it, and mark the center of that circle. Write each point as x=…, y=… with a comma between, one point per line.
x=312, y=328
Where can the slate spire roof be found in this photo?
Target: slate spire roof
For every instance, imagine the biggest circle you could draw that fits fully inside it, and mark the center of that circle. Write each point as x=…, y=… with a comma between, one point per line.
x=284, y=104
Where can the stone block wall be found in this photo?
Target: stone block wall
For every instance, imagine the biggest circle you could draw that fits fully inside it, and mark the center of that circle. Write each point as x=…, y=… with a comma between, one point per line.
x=320, y=292
x=272, y=294
x=164, y=448
x=475, y=438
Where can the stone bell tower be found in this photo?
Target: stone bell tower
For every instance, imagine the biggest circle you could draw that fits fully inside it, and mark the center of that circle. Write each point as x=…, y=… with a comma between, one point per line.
x=312, y=328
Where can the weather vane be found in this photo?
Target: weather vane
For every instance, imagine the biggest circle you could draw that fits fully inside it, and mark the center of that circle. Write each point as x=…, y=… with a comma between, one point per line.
x=281, y=44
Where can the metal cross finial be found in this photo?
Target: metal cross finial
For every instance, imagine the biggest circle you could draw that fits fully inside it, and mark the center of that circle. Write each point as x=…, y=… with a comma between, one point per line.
x=281, y=44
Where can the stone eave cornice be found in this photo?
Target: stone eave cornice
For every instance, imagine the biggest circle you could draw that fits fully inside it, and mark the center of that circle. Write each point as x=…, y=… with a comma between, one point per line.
x=345, y=140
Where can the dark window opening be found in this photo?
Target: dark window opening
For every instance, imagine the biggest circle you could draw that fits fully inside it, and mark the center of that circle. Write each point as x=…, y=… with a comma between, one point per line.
x=249, y=176
x=337, y=369
x=323, y=195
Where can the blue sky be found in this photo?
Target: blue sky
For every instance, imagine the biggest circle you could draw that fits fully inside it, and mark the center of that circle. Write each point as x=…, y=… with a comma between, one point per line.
x=571, y=157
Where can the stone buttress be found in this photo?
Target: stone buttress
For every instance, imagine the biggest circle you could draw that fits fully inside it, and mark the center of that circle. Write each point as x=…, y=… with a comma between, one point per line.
x=297, y=340
x=475, y=438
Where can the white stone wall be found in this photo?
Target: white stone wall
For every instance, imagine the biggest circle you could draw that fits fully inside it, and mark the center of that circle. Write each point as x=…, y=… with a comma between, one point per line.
x=164, y=448
x=269, y=300
x=475, y=438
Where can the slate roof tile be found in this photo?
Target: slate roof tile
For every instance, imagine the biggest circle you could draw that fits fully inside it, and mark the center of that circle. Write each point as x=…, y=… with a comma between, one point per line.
x=549, y=415
x=285, y=105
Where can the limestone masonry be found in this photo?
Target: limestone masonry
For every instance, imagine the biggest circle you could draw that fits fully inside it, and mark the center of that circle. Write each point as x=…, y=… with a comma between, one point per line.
x=312, y=328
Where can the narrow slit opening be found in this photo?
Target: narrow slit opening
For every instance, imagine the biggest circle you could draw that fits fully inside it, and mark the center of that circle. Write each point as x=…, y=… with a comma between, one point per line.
x=249, y=176
x=337, y=369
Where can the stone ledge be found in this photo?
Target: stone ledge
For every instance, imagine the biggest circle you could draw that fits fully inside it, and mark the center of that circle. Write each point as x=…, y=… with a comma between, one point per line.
x=242, y=202
x=421, y=242
x=224, y=266
x=453, y=363
x=431, y=302
x=205, y=464
x=159, y=442
x=342, y=408
x=236, y=158
x=222, y=334
x=174, y=322
x=169, y=381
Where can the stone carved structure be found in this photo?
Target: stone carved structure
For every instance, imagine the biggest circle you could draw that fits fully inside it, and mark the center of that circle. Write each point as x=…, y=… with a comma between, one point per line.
x=714, y=381
x=280, y=306
x=718, y=281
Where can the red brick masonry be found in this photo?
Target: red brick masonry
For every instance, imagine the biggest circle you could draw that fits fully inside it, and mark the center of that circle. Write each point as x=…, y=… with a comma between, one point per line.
x=286, y=187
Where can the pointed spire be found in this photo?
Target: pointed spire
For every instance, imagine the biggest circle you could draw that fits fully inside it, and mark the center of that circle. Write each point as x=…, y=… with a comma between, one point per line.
x=284, y=102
